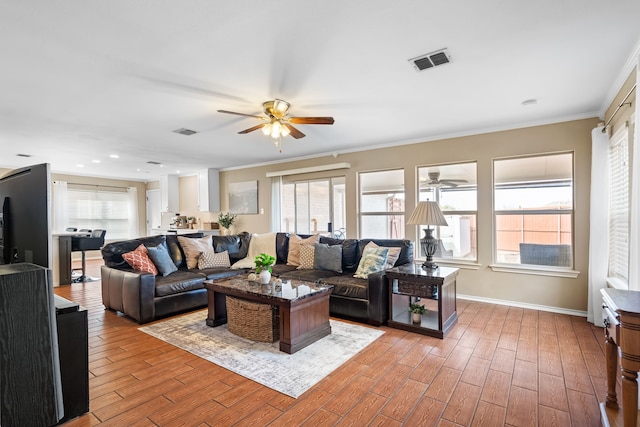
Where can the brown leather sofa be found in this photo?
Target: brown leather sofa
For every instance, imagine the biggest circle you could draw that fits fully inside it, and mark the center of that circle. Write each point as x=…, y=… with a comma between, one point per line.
x=145, y=297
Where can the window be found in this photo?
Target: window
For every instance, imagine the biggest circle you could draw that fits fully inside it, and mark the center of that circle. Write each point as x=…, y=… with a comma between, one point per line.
x=454, y=188
x=103, y=209
x=312, y=207
x=533, y=206
x=382, y=204
x=619, y=205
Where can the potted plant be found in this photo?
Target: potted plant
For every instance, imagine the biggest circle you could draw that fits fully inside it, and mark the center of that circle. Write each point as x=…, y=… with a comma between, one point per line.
x=417, y=310
x=192, y=221
x=227, y=219
x=263, y=264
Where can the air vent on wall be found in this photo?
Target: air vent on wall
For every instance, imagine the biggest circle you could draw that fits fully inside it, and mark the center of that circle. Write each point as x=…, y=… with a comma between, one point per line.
x=24, y=155
x=183, y=131
x=153, y=162
x=430, y=60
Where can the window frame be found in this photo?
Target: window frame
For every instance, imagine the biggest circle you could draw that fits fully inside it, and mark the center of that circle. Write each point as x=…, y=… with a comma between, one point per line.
x=400, y=214
x=545, y=270
x=466, y=212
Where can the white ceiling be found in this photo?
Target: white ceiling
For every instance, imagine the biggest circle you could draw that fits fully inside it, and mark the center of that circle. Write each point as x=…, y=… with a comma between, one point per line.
x=83, y=79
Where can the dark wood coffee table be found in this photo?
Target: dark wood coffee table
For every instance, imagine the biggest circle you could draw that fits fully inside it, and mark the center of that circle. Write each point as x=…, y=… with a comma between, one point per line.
x=304, y=307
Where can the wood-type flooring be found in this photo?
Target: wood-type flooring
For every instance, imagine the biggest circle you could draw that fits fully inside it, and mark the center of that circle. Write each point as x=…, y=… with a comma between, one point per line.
x=498, y=366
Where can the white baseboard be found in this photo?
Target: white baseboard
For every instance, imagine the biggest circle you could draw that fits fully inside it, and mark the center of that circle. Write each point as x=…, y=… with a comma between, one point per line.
x=551, y=309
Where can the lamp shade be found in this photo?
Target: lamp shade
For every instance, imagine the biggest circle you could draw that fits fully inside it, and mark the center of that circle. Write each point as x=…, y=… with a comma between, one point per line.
x=427, y=213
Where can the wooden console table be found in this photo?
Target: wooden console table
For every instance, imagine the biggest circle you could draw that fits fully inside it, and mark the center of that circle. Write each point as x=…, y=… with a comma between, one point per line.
x=621, y=315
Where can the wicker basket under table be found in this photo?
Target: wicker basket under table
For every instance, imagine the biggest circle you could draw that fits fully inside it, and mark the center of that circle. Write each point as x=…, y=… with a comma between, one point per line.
x=252, y=320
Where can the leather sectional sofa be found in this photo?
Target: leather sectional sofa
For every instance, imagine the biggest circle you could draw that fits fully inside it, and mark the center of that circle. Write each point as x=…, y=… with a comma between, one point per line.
x=145, y=297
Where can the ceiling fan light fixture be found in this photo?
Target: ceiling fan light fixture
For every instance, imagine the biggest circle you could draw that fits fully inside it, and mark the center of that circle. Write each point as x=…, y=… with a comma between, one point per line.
x=266, y=129
x=280, y=106
x=284, y=131
x=275, y=129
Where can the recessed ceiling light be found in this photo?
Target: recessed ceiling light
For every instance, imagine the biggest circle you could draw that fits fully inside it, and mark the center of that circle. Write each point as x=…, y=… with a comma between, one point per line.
x=95, y=161
x=529, y=102
x=114, y=156
x=79, y=165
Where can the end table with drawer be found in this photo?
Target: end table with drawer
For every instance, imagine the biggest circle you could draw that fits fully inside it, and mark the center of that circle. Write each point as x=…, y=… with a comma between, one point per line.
x=435, y=289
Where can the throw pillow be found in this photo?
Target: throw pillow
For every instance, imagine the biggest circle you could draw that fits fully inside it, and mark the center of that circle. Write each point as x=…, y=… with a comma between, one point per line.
x=307, y=253
x=210, y=259
x=192, y=248
x=327, y=257
x=373, y=260
x=259, y=243
x=293, y=257
x=394, y=254
x=139, y=260
x=161, y=258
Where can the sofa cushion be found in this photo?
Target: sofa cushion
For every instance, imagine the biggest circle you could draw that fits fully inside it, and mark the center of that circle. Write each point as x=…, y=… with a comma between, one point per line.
x=210, y=259
x=175, y=250
x=112, y=252
x=235, y=245
x=259, y=243
x=140, y=261
x=350, y=256
x=180, y=281
x=392, y=256
x=372, y=261
x=161, y=258
x=295, y=241
x=328, y=257
x=307, y=254
x=406, y=248
x=192, y=248
x=347, y=286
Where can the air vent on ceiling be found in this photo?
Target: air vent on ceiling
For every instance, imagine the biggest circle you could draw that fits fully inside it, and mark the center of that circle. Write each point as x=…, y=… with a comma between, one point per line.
x=183, y=131
x=430, y=60
x=153, y=162
x=24, y=155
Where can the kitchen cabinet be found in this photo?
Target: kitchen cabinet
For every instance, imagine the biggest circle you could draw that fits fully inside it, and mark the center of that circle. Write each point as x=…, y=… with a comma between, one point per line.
x=169, y=194
x=208, y=190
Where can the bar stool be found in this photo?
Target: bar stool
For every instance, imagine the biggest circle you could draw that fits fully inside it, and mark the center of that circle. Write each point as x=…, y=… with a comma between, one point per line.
x=93, y=242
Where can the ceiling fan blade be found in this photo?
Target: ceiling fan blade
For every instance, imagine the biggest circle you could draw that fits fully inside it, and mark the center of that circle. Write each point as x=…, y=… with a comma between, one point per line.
x=240, y=114
x=311, y=120
x=251, y=129
x=294, y=132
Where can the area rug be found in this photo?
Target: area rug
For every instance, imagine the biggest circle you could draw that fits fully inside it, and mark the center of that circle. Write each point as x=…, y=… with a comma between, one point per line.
x=291, y=374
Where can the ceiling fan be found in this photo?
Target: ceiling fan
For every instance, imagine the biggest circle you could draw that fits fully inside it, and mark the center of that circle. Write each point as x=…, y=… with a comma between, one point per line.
x=435, y=181
x=277, y=121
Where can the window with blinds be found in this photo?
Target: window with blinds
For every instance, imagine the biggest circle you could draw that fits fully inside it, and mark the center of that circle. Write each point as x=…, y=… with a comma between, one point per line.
x=619, y=205
x=102, y=209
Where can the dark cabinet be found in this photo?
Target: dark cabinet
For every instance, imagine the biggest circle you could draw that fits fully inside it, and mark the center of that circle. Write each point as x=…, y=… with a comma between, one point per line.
x=435, y=289
x=30, y=384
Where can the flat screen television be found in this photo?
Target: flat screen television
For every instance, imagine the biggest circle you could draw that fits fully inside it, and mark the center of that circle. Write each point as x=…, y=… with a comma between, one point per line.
x=26, y=217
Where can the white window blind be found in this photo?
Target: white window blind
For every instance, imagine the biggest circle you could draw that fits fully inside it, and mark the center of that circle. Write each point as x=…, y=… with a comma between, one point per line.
x=99, y=209
x=619, y=205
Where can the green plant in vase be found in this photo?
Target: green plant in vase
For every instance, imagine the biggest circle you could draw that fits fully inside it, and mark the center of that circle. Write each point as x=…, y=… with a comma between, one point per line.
x=417, y=310
x=263, y=264
x=226, y=219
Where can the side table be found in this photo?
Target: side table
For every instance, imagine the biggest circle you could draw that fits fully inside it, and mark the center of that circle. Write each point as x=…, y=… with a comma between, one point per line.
x=410, y=283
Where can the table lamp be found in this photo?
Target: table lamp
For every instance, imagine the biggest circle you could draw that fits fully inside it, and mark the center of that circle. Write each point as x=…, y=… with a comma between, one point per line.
x=428, y=213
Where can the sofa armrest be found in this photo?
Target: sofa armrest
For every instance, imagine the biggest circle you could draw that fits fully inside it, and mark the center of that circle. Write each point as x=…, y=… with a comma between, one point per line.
x=129, y=292
x=378, y=310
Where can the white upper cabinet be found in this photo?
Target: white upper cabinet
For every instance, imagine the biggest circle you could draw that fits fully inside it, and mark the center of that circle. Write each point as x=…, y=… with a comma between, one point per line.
x=209, y=190
x=169, y=194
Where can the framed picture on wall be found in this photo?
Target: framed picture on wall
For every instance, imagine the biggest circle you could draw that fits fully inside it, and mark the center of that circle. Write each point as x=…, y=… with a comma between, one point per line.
x=243, y=197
